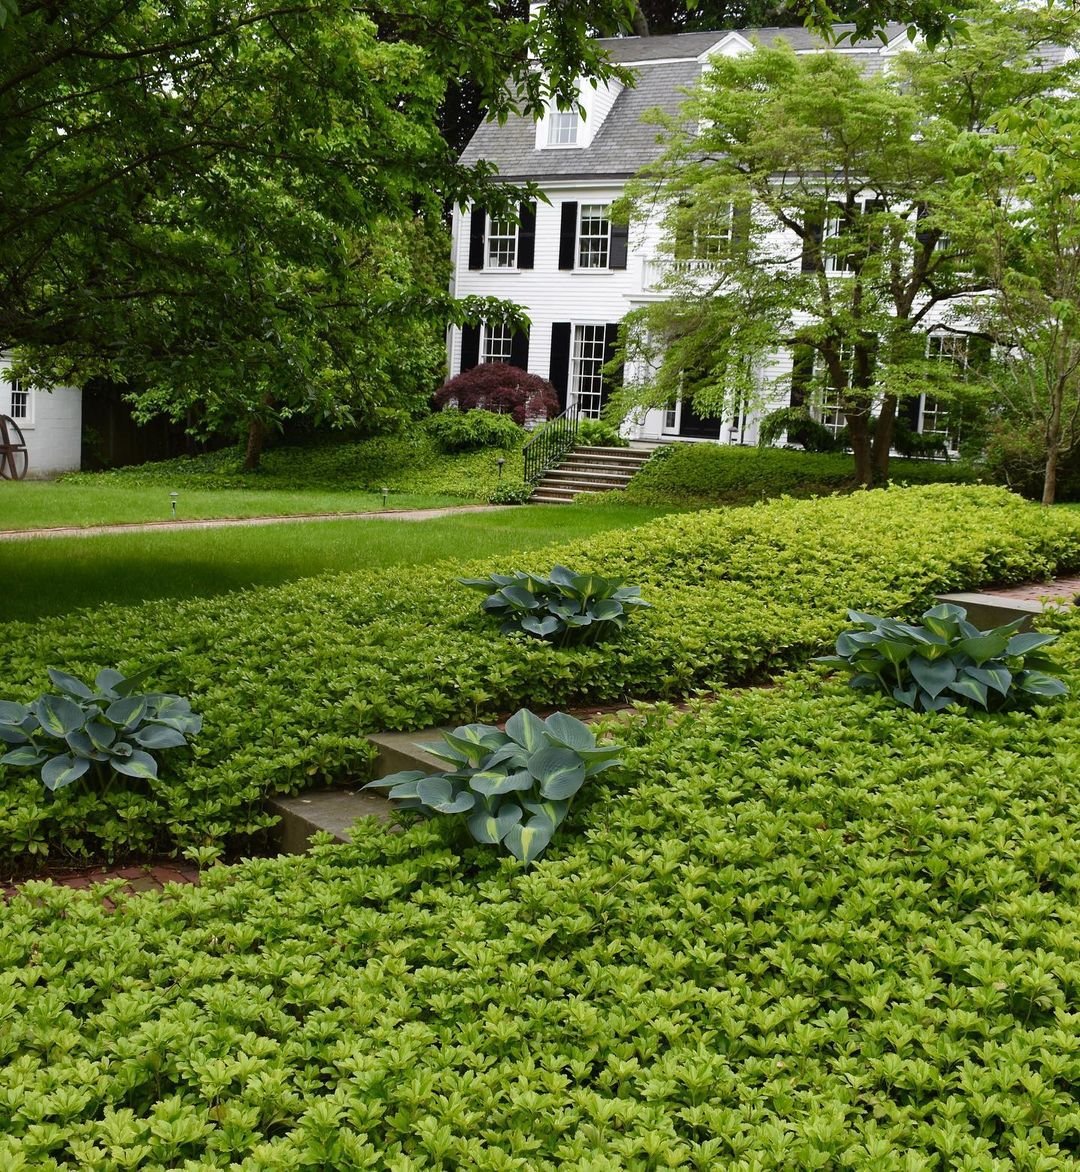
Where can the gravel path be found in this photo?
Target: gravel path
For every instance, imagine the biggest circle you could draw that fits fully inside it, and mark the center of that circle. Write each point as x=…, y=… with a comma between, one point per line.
x=227, y=522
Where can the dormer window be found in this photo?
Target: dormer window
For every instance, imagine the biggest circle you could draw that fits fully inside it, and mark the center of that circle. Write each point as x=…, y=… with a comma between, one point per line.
x=563, y=128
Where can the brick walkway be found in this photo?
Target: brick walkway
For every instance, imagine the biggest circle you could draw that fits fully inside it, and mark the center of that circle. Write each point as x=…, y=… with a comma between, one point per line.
x=1062, y=591
x=143, y=877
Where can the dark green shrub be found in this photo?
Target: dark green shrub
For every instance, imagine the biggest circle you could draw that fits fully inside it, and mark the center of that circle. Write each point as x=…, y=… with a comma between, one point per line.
x=469, y=431
x=513, y=787
x=598, y=433
x=800, y=427
x=95, y=728
x=561, y=606
x=945, y=661
x=510, y=492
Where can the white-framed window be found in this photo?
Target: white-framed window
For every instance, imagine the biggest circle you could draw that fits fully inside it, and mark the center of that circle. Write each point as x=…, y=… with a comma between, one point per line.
x=497, y=343
x=594, y=236
x=563, y=128
x=831, y=410
x=587, y=369
x=949, y=348
x=17, y=403
x=936, y=416
x=502, y=242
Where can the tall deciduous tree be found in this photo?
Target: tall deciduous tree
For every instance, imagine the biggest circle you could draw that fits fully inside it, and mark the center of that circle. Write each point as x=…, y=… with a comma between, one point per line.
x=236, y=203
x=824, y=200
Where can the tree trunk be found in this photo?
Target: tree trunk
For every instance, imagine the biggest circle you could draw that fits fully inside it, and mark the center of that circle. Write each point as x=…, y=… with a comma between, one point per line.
x=641, y=23
x=256, y=438
x=1050, y=476
x=859, y=431
x=883, y=439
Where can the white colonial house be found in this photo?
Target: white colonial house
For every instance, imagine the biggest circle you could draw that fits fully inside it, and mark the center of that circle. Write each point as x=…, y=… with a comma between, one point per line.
x=577, y=274
x=50, y=423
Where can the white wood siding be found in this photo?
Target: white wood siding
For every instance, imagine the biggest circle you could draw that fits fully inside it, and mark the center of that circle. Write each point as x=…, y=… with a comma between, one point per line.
x=53, y=431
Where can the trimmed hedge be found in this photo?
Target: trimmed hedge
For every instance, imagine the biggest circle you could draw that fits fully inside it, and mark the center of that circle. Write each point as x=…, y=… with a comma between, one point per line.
x=802, y=928
x=718, y=474
x=289, y=679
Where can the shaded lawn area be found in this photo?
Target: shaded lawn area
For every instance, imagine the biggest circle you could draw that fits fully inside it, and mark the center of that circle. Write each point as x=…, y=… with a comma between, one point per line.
x=51, y=576
x=46, y=504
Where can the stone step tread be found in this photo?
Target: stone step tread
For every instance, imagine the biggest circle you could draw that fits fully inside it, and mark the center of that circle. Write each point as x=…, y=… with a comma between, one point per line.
x=615, y=453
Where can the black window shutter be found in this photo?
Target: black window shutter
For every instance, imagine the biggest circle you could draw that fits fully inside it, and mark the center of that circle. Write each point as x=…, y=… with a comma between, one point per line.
x=559, y=371
x=470, y=347
x=802, y=373
x=909, y=411
x=618, y=247
x=519, y=350
x=814, y=228
x=611, y=381
x=740, y=224
x=477, y=230
x=568, y=234
x=526, y=235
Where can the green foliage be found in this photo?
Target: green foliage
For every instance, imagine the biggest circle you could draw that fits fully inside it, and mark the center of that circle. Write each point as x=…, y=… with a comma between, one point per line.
x=720, y=474
x=290, y=678
x=468, y=431
x=946, y=661
x=598, y=433
x=800, y=928
x=800, y=427
x=513, y=787
x=561, y=606
x=510, y=492
x=95, y=727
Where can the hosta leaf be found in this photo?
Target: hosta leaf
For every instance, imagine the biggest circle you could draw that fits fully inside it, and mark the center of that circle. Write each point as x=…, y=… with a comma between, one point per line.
x=70, y=684
x=435, y=791
x=1019, y=644
x=561, y=576
x=12, y=713
x=462, y=803
x=137, y=764
x=24, y=755
x=605, y=609
x=527, y=842
x=993, y=675
x=527, y=730
x=905, y=696
x=864, y=679
x=126, y=685
x=57, y=715
x=128, y=712
x=569, y=731
x=63, y=770
x=990, y=645
x=107, y=679
x=519, y=598
x=850, y=642
x=1038, y=683
x=560, y=772
x=937, y=703
x=894, y=650
x=932, y=675
x=971, y=690
x=542, y=628
x=511, y=756
x=101, y=734
x=492, y=827
x=159, y=736
x=553, y=811
x=404, y=777
x=494, y=783
x=12, y=734
x=81, y=746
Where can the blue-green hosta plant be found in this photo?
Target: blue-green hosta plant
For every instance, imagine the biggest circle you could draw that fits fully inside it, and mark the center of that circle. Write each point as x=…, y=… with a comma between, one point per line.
x=561, y=606
x=945, y=660
x=103, y=730
x=513, y=787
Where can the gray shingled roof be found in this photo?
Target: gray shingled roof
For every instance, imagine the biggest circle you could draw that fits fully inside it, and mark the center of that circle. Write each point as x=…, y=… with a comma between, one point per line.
x=666, y=67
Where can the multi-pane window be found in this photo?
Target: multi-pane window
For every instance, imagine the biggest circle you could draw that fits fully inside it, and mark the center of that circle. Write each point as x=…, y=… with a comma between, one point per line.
x=502, y=244
x=498, y=340
x=587, y=370
x=935, y=416
x=19, y=401
x=831, y=412
x=949, y=348
x=563, y=128
x=713, y=236
x=594, y=236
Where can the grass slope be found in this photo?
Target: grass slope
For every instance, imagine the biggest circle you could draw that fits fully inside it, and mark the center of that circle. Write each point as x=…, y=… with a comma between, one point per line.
x=59, y=575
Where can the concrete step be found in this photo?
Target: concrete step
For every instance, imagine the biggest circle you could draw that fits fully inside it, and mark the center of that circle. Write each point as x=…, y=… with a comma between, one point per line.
x=621, y=453
x=334, y=811
x=562, y=473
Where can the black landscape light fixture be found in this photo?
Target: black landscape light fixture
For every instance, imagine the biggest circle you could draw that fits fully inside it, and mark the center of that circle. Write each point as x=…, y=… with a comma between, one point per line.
x=385, y=493
x=172, y=500
x=500, y=461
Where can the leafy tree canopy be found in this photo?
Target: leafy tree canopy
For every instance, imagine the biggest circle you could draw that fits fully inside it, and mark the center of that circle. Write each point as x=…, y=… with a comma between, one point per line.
x=237, y=205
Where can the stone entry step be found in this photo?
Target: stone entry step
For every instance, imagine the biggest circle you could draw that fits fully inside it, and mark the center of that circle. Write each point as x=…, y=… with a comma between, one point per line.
x=588, y=469
x=334, y=811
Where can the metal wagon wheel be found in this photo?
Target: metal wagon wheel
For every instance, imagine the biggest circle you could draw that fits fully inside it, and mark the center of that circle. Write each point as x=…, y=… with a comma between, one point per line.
x=14, y=459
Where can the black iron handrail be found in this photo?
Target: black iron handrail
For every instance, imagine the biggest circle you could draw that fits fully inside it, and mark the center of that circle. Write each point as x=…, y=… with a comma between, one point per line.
x=550, y=444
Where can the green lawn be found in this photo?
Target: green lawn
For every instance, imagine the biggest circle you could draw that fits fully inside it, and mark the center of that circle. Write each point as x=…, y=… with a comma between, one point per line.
x=51, y=576
x=44, y=504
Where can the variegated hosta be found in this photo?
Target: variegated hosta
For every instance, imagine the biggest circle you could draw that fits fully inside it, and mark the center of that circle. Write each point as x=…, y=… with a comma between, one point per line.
x=563, y=606
x=946, y=660
x=106, y=727
x=512, y=787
